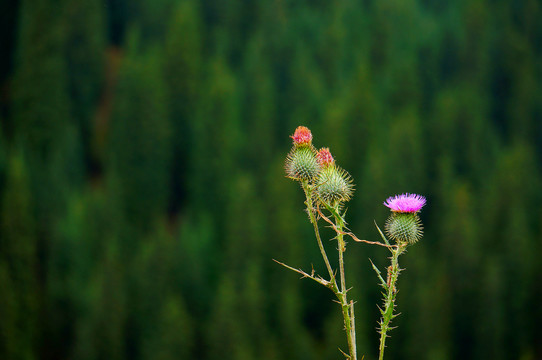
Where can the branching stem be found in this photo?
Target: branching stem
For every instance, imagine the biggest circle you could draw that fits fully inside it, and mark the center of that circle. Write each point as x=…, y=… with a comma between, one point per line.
x=346, y=307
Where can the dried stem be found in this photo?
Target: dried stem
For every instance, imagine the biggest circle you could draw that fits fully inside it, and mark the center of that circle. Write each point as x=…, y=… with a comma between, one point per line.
x=318, y=279
x=354, y=237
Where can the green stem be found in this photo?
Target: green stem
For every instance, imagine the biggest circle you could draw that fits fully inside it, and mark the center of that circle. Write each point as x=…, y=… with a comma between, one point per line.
x=389, y=300
x=342, y=248
x=347, y=308
x=348, y=315
x=310, y=209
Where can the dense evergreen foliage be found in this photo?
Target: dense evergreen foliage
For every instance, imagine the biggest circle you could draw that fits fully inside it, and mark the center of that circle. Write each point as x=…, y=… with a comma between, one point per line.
x=143, y=194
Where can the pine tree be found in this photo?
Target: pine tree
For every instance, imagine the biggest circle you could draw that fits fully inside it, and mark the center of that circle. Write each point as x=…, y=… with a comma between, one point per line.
x=77, y=250
x=18, y=267
x=173, y=336
x=85, y=58
x=140, y=141
x=182, y=72
x=219, y=139
x=259, y=104
x=87, y=282
x=41, y=111
x=227, y=339
x=110, y=327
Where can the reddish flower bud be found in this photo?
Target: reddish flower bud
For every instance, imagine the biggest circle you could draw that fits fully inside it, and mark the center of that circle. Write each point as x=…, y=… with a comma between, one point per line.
x=302, y=136
x=324, y=157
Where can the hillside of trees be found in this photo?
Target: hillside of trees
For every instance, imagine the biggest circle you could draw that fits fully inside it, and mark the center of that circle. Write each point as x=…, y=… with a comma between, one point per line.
x=143, y=195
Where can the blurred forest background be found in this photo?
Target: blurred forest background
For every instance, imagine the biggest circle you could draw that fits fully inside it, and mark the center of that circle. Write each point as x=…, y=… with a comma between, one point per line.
x=143, y=196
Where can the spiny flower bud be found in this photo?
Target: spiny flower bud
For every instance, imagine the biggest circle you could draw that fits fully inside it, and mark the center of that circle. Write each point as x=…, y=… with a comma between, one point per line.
x=324, y=157
x=302, y=136
x=334, y=184
x=301, y=164
x=404, y=225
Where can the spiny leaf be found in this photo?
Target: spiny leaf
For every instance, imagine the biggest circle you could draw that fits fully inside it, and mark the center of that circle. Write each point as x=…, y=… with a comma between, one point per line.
x=383, y=283
x=382, y=235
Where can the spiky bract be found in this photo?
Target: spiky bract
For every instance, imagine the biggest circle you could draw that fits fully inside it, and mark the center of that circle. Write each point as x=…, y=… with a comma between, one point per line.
x=301, y=164
x=334, y=185
x=404, y=227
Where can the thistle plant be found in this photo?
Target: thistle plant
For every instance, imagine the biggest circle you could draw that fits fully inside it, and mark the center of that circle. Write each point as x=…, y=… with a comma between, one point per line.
x=404, y=228
x=327, y=189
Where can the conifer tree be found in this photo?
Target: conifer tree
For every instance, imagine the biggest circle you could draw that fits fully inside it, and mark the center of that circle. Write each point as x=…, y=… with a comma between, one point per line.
x=182, y=72
x=110, y=327
x=259, y=103
x=42, y=125
x=228, y=337
x=18, y=267
x=198, y=257
x=174, y=333
x=219, y=138
x=88, y=277
x=140, y=141
x=41, y=109
x=77, y=249
x=85, y=58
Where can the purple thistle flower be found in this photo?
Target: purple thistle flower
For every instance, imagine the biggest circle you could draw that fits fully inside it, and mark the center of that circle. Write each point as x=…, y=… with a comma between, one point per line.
x=405, y=203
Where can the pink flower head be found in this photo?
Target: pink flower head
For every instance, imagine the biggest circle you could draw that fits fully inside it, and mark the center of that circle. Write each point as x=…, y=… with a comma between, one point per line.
x=302, y=136
x=324, y=157
x=405, y=203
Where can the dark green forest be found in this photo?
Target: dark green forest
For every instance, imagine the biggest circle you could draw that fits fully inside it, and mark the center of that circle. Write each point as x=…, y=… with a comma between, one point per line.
x=143, y=194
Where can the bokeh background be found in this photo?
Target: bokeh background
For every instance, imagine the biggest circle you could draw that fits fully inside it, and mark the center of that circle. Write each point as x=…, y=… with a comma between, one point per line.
x=143, y=196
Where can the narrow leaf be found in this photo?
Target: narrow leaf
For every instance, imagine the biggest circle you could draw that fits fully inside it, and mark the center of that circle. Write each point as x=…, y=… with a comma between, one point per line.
x=382, y=235
x=383, y=283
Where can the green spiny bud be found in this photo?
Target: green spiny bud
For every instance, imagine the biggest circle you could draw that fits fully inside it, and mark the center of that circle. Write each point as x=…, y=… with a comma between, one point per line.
x=334, y=185
x=301, y=163
x=404, y=227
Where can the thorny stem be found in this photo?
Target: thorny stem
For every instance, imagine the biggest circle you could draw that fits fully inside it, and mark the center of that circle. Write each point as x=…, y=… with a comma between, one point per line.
x=389, y=299
x=310, y=210
x=347, y=308
x=342, y=248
